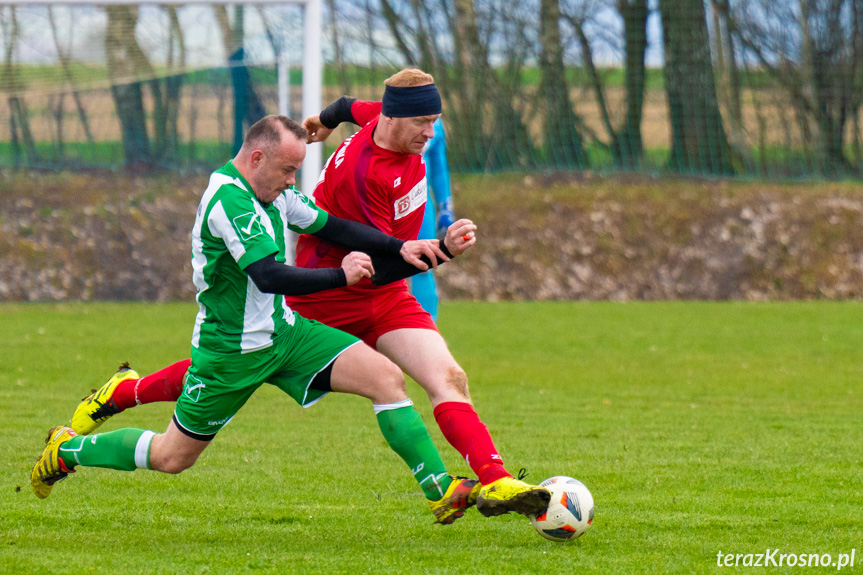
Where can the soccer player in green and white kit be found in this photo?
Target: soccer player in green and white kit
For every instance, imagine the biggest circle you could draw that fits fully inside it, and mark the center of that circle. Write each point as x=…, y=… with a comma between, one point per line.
x=246, y=335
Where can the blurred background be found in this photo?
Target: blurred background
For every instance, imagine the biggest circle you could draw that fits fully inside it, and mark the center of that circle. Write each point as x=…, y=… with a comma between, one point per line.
x=754, y=88
x=609, y=149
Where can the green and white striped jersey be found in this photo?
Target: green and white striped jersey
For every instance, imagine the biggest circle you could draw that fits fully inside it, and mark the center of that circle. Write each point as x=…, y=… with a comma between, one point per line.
x=232, y=230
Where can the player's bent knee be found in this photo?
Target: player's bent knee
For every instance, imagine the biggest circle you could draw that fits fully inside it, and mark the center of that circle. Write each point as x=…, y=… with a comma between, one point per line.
x=389, y=383
x=393, y=378
x=176, y=464
x=456, y=379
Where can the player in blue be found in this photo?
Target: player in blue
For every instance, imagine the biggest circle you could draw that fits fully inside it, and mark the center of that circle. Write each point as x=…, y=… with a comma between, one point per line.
x=423, y=285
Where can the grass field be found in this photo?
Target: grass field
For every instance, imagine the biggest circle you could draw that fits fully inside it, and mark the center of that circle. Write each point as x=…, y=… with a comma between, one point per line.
x=699, y=428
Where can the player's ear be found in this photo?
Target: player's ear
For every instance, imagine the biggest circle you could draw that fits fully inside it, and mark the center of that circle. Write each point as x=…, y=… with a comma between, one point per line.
x=257, y=157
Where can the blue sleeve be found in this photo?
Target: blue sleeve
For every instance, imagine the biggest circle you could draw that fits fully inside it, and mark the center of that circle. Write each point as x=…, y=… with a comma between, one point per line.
x=437, y=168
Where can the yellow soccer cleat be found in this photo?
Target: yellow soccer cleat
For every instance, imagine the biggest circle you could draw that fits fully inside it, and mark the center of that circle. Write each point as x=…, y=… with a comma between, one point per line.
x=49, y=468
x=511, y=494
x=460, y=495
x=96, y=408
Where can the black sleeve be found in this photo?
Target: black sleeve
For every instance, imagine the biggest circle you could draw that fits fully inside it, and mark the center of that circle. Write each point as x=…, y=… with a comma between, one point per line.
x=389, y=268
x=359, y=237
x=338, y=112
x=273, y=277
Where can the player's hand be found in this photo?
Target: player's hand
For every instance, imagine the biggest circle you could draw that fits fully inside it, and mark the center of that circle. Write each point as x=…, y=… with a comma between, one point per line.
x=460, y=236
x=357, y=266
x=317, y=131
x=413, y=250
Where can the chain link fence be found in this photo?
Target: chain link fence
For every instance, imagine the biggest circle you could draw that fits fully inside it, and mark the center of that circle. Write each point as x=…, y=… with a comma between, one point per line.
x=746, y=88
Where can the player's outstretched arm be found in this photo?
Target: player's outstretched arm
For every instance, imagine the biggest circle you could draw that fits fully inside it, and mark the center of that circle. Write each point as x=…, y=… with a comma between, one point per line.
x=353, y=235
x=271, y=276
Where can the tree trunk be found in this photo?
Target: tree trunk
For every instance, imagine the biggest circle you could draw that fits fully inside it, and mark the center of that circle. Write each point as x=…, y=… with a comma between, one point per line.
x=174, y=86
x=466, y=134
x=629, y=149
x=344, y=81
x=699, y=143
x=728, y=77
x=125, y=87
x=19, y=116
x=65, y=65
x=829, y=80
x=248, y=108
x=564, y=147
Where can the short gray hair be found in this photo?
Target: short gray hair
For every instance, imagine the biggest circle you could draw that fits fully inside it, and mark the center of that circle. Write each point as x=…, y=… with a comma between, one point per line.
x=266, y=132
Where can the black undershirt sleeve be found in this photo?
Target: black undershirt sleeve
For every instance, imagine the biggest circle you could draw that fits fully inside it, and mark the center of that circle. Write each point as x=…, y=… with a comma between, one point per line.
x=389, y=268
x=359, y=237
x=273, y=277
x=338, y=112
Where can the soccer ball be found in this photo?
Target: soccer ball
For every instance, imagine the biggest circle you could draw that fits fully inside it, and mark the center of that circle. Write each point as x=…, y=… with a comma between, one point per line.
x=570, y=511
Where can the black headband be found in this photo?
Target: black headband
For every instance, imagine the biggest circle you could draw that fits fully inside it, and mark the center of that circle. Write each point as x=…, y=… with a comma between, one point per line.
x=411, y=101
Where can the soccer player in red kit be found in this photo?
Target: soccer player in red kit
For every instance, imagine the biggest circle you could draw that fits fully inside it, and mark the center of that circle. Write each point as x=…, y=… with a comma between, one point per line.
x=377, y=177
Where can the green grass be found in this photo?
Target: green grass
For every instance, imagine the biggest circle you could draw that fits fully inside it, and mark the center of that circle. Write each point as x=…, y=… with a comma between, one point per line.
x=698, y=427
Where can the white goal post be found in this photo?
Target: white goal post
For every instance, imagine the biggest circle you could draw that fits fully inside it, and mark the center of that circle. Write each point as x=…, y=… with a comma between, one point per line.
x=312, y=87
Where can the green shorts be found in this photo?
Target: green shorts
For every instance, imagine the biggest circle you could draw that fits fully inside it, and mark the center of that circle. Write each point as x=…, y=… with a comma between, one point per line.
x=218, y=385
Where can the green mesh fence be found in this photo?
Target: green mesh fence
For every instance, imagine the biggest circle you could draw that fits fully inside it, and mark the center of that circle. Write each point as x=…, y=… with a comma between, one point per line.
x=748, y=88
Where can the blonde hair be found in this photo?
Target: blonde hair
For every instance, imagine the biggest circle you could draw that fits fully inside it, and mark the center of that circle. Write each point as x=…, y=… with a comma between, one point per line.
x=409, y=78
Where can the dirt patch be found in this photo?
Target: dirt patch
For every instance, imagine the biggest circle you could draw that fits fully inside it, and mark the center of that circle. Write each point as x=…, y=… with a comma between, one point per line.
x=571, y=236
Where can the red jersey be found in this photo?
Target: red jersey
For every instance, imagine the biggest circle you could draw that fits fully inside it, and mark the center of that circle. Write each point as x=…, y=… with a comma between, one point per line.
x=368, y=184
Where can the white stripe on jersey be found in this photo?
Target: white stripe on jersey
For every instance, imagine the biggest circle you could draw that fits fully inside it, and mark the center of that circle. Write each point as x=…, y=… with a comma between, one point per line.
x=258, y=322
x=198, y=258
x=220, y=226
x=294, y=210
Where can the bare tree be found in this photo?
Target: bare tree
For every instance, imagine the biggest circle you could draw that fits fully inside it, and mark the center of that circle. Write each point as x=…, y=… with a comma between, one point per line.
x=63, y=54
x=485, y=123
x=248, y=108
x=628, y=143
x=624, y=143
x=728, y=79
x=564, y=144
x=19, y=116
x=813, y=51
x=129, y=70
x=344, y=80
x=167, y=91
x=699, y=143
x=126, y=87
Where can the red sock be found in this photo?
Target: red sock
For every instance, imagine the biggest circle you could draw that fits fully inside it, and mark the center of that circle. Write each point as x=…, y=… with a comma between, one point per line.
x=462, y=428
x=163, y=385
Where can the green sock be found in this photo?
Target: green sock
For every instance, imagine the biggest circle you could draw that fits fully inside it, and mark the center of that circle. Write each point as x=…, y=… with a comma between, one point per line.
x=124, y=449
x=404, y=430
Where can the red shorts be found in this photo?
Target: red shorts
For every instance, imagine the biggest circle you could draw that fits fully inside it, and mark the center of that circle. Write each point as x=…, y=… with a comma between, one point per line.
x=368, y=317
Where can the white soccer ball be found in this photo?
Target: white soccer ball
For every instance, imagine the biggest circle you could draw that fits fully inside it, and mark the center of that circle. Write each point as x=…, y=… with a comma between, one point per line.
x=570, y=511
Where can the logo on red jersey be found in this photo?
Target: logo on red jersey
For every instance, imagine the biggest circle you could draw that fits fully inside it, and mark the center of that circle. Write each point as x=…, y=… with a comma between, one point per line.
x=416, y=198
x=398, y=182
x=403, y=206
